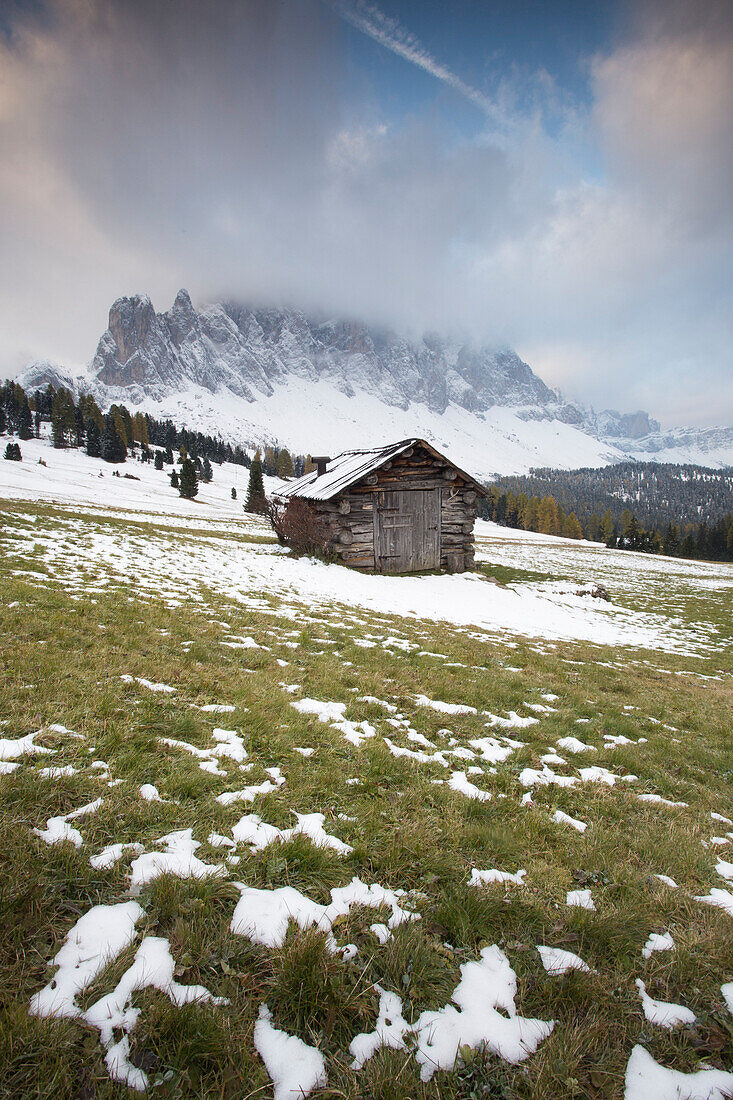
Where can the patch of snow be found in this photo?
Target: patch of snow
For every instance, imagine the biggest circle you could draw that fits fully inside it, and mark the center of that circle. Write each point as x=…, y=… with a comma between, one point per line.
x=111, y=854
x=664, y=1013
x=572, y=744
x=248, y=794
x=389, y=1030
x=444, y=708
x=480, y=878
x=514, y=720
x=667, y=881
x=153, y=967
x=177, y=859
x=460, y=782
x=477, y=1017
x=583, y=899
x=725, y=869
x=565, y=819
x=294, y=1067
x=252, y=830
x=164, y=688
x=727, y=991
x=659, y=800
x=22, y=746
x=56, y=773
x=658, y=942
x=263, y=915
x=557, y=962
x=721, y=898
x=645, y=1078
x=97, y=938
x=57, y=828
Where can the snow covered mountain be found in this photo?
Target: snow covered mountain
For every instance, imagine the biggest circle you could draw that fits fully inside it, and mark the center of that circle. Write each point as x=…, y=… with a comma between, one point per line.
x=276, y=376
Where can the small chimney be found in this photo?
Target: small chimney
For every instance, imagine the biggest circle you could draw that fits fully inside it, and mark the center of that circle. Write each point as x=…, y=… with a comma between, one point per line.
x=320, y=462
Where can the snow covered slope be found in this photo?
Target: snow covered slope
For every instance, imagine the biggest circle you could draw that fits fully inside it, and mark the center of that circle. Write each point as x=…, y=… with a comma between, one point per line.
x=276, y=376
x=71, y=477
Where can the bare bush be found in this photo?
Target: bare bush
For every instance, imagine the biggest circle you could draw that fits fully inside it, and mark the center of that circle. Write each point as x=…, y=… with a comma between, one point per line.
x=298, y=526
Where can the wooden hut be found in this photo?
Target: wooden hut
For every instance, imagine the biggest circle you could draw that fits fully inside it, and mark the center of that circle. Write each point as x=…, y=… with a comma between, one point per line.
x=396, y=509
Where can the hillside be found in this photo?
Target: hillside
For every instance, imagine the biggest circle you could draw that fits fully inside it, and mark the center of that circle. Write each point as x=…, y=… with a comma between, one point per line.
x=262, y=814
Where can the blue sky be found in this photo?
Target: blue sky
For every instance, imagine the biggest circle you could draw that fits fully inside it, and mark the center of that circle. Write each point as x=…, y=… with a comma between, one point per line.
x=555, y=176
x=486, y=43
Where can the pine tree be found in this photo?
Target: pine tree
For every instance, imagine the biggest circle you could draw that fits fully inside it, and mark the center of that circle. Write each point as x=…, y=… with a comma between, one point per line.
x=112, y=445
x=12, y=452
x=94, y=439
x=174, y=478
x=234, y=493
x=158, y=460
x=208, y=472
x=189, y=485
x=25, y=422
x=63, y=418
x=256, y=499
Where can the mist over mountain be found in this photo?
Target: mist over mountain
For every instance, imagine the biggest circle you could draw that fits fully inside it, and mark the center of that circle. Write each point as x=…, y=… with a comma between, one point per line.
x=275, y=375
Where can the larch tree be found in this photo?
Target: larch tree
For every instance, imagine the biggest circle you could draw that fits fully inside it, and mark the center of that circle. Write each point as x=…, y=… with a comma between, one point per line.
x=285, y=464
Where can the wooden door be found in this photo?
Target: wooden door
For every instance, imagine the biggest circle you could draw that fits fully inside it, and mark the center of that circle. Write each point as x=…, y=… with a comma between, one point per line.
x=407, y=530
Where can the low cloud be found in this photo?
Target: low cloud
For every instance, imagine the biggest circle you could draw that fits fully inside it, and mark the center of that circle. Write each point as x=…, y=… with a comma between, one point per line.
x=218, y=147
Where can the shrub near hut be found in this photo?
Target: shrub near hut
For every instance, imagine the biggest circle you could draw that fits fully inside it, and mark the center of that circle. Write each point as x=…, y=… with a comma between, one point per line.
x=301, y=529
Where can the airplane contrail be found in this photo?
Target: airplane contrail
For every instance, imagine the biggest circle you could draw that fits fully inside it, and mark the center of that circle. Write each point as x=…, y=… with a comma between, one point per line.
x=388, y=32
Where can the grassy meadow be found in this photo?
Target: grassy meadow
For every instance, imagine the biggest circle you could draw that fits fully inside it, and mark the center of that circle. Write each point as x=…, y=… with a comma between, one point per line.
x=75, y=622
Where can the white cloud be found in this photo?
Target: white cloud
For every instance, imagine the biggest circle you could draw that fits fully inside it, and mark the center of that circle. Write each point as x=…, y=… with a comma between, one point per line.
x=216, y=146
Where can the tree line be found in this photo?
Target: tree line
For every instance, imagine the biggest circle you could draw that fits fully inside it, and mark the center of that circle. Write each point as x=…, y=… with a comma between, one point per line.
x=709, y=541
x=109, y=435
x=657, y=492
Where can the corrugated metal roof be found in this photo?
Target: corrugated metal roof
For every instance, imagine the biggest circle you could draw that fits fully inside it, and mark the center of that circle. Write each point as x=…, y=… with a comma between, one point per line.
x=351, y=466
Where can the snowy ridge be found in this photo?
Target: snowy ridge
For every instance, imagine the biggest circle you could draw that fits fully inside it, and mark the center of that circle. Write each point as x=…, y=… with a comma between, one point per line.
x=276, y=376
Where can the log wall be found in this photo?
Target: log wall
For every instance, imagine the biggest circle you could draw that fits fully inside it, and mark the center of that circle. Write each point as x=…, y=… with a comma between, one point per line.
x=350, y=517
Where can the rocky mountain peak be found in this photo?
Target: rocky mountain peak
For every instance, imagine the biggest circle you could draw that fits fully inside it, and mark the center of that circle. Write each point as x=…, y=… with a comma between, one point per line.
x=130, y=323
x=280, y=375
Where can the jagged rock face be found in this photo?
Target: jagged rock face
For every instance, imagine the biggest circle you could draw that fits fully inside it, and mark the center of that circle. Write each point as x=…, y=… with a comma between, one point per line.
x=614, y=425
x=194, y=366
x=247, y=350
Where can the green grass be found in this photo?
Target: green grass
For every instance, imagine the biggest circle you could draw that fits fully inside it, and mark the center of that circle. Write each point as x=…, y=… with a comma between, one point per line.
x=58, y=666
x=507, y=574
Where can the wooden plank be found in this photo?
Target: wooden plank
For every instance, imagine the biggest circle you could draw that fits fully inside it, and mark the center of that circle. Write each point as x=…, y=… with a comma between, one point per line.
x=407, y=530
